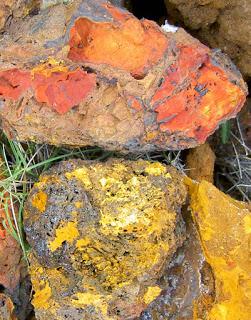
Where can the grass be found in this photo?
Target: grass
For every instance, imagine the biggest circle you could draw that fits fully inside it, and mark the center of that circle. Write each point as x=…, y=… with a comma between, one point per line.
x=234, y=167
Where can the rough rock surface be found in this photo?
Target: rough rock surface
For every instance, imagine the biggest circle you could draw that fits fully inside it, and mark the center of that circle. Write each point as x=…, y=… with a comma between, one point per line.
x=14, y=282
x=102, y=234
x=219, y=23
x=187, y=282
x=13, y=9
x=6, y=308
x=225, y=233
x=88, y=73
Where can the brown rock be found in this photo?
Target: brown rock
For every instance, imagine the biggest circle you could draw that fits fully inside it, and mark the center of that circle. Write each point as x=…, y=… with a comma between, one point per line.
x=14, y=281
x=6, y=308
x=102, y=234
x=88, y=73
x=219, y=23
x=200, y=163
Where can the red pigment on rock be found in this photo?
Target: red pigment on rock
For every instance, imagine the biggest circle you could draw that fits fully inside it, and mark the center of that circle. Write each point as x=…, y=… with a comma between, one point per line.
x=60, y=90
x=14, y=83
x=135, y=103
x=205, y=99
x=127, y=44
x=63, y=90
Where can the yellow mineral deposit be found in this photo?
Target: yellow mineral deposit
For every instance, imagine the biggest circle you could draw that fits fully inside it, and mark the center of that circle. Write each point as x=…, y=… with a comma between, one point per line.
x=39, y=201
x=67, y=232
x=224, y=227
x=80, y=174
x=151, y=294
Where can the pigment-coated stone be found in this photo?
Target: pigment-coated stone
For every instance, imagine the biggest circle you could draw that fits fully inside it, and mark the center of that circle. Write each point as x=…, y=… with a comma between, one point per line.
x=224, y=227
x=102, y=235
x=88, y=73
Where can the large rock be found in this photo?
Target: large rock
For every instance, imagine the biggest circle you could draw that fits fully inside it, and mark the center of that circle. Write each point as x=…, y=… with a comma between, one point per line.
x=219, y=23
x=88, y=73
x=224, y=227
x=101, y=236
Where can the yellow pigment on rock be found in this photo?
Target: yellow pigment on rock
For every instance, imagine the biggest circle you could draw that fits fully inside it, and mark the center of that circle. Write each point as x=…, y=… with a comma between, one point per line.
x=82, y=175
x=224, y=228
x=42, y=296
x=49, y=67
x=78, y=204
x=128, y=210
x=68, y=233
x=155, y=169
x=39, y=201
x=151, y=294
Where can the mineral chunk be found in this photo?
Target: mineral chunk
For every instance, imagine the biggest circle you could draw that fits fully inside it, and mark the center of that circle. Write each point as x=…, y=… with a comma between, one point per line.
x=101, y=235
x=88, y=73
x=224, y=226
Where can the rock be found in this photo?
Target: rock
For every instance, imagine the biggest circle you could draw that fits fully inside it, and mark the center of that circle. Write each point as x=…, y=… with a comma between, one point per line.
x=187, y=281
x=224, y=226
x=14, y=281
x=6, y=308
x=200, y=163
x=12, y=9
x=10, y=254
x=101, y=236
x=88, y=73
x=219, y=23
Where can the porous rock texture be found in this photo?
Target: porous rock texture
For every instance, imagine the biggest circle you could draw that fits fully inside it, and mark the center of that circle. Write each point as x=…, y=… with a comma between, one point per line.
x=101, y=235
x=224, y=227
x=223, y=24
x=88, y=73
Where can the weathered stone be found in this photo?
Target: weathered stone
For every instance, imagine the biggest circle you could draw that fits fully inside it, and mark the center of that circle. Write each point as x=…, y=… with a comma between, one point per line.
x=200, y=163
x=14, y=281
x=219, y=23
x=188, y=283
x=101, y=236
x=6, y=308
x=224, y=226
x=12, y=9
x=88, y=73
